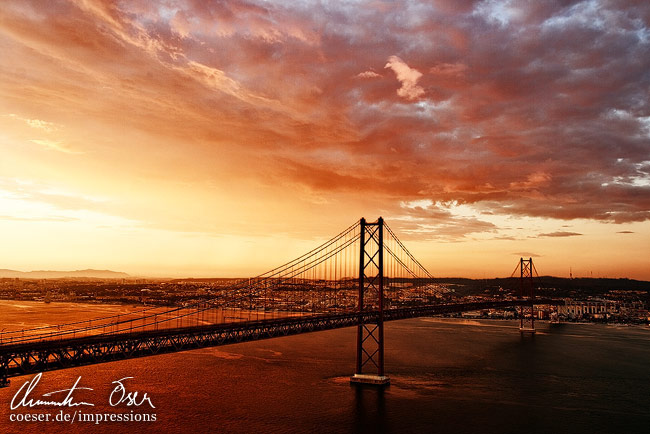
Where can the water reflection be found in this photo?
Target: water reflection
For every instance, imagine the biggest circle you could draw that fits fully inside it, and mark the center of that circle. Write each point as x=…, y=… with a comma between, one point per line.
x=370, y=409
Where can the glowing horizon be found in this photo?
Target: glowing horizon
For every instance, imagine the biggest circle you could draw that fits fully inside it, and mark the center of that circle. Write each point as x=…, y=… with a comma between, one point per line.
x=211, y=139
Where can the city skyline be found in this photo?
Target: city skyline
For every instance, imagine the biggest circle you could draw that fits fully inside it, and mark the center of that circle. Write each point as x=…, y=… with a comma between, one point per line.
x=204, y=139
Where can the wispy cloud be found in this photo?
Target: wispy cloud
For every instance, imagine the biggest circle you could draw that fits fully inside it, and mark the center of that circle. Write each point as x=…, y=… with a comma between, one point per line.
x=559, y=234
x=62, y=219
x=527, y=255
x=425, y=220
x=36, y=123
x=55, y=145
x=368, y=74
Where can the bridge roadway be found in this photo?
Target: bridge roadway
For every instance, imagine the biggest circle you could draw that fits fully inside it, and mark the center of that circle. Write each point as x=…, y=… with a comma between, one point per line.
x=47, y=355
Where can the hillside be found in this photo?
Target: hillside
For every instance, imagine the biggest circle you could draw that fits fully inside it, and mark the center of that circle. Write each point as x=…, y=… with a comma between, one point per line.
x=47, y=274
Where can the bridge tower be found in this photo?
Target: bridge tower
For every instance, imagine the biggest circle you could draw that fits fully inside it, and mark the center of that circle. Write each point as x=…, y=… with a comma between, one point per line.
x=526, y=291
x=370, y=329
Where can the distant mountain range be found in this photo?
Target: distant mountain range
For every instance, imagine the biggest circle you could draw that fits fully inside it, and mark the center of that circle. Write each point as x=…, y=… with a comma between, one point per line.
x=46, y=274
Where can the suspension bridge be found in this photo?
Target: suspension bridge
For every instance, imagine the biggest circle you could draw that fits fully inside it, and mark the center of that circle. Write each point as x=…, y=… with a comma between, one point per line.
x=362, y=277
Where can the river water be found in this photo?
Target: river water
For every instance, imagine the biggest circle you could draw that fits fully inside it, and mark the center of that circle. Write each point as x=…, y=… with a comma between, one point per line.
x=447, y=375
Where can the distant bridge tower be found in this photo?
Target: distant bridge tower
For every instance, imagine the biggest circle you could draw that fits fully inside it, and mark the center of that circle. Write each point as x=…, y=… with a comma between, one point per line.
x=526, y=291
x=370, y=330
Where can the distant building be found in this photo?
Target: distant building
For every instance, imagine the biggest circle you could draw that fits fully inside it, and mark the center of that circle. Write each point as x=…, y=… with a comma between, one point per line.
x=602, y=309
x=579, y=308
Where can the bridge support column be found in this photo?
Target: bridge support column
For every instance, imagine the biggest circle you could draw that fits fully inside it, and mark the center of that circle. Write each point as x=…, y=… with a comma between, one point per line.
x=526, y=290
x=4, y=363
x=370, y=329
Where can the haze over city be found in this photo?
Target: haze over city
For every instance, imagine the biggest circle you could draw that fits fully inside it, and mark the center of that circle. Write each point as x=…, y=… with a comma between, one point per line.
x=221, y=139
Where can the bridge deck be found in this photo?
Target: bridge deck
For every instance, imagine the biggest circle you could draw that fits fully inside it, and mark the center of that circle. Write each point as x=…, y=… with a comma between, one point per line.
x=31, y=357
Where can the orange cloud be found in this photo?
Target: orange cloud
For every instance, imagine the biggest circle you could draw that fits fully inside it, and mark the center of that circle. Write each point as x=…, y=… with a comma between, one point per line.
x=247, y=106
x=407, y=76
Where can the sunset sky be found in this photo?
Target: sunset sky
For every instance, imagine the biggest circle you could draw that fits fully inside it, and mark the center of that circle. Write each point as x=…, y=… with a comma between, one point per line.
x=214, y=138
